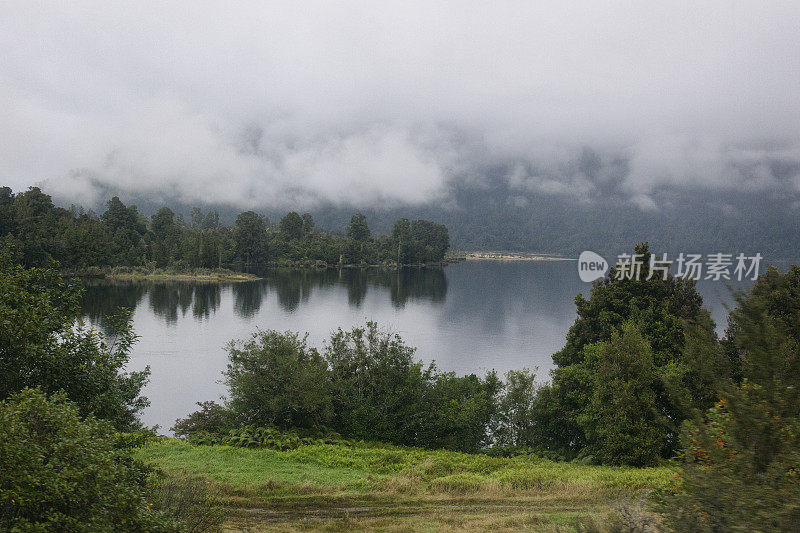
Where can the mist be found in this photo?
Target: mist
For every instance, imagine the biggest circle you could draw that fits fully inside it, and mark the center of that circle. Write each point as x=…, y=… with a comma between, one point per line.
x=298, y=104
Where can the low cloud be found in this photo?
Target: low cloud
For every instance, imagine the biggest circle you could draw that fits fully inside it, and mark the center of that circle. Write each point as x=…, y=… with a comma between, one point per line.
x=361, y=104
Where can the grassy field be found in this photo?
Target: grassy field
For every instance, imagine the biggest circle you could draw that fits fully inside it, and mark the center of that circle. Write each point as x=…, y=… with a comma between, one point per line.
x=380, y=487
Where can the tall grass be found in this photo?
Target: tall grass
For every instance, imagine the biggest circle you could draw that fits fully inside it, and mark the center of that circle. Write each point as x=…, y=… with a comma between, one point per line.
x=368, y=467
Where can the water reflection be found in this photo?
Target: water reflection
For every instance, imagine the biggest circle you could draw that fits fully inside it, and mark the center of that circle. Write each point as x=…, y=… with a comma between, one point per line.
x=103, y=299
x=170, y=300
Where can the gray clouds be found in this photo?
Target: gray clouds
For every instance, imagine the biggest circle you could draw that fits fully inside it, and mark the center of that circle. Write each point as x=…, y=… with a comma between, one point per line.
x=383, y=103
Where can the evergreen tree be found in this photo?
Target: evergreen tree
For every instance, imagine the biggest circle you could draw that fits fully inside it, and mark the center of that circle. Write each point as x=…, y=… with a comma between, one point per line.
x=623, y=425
x=741, y=463
x=358, y=229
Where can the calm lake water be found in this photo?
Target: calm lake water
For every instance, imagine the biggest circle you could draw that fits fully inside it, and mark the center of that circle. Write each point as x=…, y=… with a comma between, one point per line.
x=469, y=317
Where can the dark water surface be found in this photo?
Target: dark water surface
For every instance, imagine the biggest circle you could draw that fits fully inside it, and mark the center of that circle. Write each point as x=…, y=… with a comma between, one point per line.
x=470, y=317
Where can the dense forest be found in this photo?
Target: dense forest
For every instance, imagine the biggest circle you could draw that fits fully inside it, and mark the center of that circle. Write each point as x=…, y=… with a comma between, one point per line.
x=38, y=232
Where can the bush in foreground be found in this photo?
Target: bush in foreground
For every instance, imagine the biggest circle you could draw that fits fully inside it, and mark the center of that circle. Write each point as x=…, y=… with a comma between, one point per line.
x=61, y=473
x=742, y=463
x=41, y=346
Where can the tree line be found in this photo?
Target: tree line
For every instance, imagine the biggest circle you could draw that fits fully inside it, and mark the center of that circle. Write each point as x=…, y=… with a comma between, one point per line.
x=39, y=232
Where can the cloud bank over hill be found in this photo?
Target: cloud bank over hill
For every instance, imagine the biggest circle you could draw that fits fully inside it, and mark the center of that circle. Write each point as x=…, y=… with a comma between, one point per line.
x=351, y=103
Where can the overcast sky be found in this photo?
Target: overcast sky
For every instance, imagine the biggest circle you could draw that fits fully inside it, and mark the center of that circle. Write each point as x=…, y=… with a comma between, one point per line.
x=375, y=102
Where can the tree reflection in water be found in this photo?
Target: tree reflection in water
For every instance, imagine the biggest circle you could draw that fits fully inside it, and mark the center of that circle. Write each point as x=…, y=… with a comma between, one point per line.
x=170, y=300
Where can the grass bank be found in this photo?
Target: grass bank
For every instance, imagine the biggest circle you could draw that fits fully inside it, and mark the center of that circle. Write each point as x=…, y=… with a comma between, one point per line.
x=159, y=274
x=381, y=487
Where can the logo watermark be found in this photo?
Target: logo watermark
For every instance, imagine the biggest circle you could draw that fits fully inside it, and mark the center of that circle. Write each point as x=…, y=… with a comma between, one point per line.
x=591, y=266
x=715, y=267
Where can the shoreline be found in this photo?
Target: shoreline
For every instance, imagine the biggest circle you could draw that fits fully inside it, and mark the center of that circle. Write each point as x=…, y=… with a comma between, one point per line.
x=513, y=256
x=217, y=276
x=224, y=275
x=231, y=276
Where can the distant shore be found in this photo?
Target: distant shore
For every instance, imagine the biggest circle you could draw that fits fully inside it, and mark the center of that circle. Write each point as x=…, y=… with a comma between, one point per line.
x=514, y=256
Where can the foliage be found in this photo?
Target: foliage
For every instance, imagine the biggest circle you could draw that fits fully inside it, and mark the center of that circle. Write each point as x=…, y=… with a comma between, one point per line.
x=358, y=229
x=275, y=378
x=212, y=418
x=266, y=437
x=515, y=407
x=42, y=344
x=376, y=385
x=291, y=226
x=366, y=385
x=623, y=426
x=59, y=472
x=381, y=393
x=780, y=294
x=250, y=236
x=741, y=464
x=685, y=364
x=40, y=232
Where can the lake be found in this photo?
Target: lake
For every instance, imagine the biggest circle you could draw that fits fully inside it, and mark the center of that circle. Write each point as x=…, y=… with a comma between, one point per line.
x=469, y=317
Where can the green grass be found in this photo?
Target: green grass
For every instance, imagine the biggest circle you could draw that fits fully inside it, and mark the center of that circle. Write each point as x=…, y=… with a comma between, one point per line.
x=368, y=486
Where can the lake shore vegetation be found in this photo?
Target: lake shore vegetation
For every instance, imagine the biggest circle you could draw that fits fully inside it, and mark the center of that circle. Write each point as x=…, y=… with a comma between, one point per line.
x=168, y=246
x=649, y=421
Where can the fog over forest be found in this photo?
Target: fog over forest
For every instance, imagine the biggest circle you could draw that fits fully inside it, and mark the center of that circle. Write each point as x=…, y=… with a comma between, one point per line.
x=504, y=121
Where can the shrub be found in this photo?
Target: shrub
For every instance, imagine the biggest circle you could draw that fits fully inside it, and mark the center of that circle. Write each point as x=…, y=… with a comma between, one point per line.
x=265, y=437
x=276, y=379
x=741, y=464
x=211, y=418
x=40, y=346
x=61, y=473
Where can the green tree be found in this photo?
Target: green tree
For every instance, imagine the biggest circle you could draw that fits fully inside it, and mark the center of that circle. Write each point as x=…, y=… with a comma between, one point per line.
x=291, y=226
x=163, y=222
x=59, y=472
x=741, y=464
x=459, y=412
x=167, y=236
x=42, y=344
x=6, y=217
x=118, y=216
x=781, y=294
x=308, y=223
x=276, y=379
x=211, y=220
x=250, y=236
x=667, y=312
x=358, y=230
x=402, y=242
x=376, y=385
x=515, y=408
x=126, y=228
x=430, y=241
x=196, y=218
x=624, y=424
